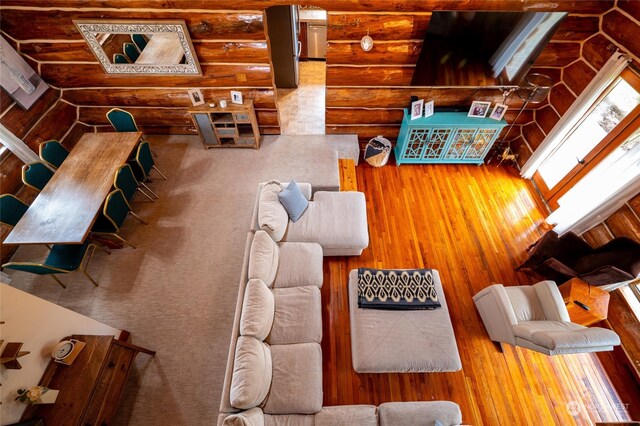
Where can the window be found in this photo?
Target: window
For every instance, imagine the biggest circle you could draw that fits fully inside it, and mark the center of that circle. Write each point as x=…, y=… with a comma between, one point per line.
x=618, y=102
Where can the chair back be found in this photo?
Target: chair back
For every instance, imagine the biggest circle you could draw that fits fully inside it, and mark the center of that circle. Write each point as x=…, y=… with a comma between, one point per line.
x=144, y=158
x=121, y=120
x=36, y=175
x=126, y=181
x=116, y=208
x=139, y=41
x=119, y=58
x=53, y=153
x=131, y=51
x=11, y=209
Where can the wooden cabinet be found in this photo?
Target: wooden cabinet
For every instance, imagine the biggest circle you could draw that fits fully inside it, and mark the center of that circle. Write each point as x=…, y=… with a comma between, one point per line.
x=586, y=296
x=234, y=126
x=446, y=137
x=89, y=388
x=303, y=42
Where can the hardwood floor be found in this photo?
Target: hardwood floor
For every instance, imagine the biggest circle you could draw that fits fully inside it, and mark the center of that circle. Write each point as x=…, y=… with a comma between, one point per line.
x=473, y=225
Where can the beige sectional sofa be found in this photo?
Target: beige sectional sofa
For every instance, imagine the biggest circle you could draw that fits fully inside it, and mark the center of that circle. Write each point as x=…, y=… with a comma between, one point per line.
x=274, y=367
x=335, y=220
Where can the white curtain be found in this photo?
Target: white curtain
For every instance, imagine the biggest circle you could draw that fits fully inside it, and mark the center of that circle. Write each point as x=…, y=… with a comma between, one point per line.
x=600, y=193
x=16, y=146
x=609, y=72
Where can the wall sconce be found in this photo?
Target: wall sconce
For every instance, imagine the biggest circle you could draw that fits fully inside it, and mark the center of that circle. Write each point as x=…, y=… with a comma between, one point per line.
x=366, y=43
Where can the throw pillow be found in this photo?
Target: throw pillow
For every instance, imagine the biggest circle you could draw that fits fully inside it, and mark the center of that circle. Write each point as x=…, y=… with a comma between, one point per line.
x=263, y=258
x=272, y=216
x=293, y=201
x=252, y=372
x=258, y=310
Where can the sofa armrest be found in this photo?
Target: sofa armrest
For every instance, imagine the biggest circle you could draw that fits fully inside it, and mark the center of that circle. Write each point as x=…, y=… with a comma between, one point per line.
x=497, y=313
x=606, y=275
x=551, y=301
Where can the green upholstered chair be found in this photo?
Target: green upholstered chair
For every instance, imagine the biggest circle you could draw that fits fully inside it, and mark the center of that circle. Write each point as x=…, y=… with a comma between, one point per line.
x=127, y=183
x=122, y=121
x=139, y=40
x=36, y=175
x=144, y=163
x=131, y=51
x=62, y=259
x=119, y=58
x=11, y=209
x=53, y=153
x=115, y=211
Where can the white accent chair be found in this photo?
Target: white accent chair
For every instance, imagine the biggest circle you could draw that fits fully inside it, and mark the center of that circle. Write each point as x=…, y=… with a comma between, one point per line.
x=536, y=318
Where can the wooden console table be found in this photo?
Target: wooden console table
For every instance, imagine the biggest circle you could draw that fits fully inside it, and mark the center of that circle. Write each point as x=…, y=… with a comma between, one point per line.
x=234, y=126
x=576, y=290
x=90, y=387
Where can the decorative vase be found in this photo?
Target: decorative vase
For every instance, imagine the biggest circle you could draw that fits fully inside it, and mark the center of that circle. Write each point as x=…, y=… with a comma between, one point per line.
x=49, y=397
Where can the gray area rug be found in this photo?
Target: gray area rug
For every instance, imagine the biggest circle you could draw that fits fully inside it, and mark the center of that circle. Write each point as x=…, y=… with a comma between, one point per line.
x=176, y=292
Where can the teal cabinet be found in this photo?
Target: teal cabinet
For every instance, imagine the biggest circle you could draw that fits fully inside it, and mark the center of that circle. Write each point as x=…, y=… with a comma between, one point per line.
x=446, y=137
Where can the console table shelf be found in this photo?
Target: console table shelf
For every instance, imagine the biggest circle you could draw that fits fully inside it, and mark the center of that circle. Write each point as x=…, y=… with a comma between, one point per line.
x=234, y=126
x=446, y=137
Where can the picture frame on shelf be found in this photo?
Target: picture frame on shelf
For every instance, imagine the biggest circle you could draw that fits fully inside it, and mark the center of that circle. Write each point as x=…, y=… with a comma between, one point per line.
x=236, y=97
x=416, y=108
x=196, y=97
x=498, y=112
x=479, y=109
x=428, y=109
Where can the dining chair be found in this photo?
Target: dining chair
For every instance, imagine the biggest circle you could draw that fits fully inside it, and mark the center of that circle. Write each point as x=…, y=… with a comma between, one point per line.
x=127, y=183
x=145, y=163
x=62, y=259
x=115, y=211
x=131, y=51
x=36, y=175
x=139, y=40
x=11, y=209
x=123, y=121
x=53, y=153
x=119, y=58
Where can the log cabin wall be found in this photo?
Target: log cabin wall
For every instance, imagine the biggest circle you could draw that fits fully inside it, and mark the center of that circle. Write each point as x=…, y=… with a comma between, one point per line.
x=230, y=45
x=49, y=118
x=617, y=28
x=366, y=91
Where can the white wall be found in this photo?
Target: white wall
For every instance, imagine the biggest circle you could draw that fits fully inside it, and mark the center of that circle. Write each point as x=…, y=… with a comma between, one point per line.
x=40, y=325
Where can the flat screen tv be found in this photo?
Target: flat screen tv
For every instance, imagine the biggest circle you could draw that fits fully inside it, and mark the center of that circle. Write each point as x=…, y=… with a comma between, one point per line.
x=469, y=48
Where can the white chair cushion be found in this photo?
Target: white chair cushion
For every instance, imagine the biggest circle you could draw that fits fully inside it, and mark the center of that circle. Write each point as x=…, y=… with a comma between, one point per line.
x=253, y=417
x=263, y=258
x=252, y=371
x=258, y=310
x=526, y=329
x=272, y=216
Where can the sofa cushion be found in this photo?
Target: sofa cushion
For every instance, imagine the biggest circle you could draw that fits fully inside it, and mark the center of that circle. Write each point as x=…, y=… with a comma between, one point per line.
x=298, y=316
x=293, y=201
x=264, y=258
x=296, y=386
x=526, y=329
x=252, y=372
x=300, y=264
x=585, y=338
x=253, y=417
x=272, y=216
x=258, y=309
x=335, y=220
x=424, y=413
x=288, y=420
x=347, y=415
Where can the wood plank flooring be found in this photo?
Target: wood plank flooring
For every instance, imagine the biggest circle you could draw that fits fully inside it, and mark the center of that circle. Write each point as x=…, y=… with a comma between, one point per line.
x=473, y=224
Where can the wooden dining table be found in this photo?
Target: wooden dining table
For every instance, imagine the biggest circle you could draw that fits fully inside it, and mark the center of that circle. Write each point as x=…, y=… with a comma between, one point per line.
x=68, y=205
x=162, y=49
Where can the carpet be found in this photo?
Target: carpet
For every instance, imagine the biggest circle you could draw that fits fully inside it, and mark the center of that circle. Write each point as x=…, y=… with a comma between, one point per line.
x=176, y=292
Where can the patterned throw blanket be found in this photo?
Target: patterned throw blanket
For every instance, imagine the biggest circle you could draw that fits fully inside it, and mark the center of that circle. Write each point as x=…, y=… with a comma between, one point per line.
x=406, y=289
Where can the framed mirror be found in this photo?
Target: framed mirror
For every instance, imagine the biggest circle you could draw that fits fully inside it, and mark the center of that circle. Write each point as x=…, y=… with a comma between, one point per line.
x=141, y=47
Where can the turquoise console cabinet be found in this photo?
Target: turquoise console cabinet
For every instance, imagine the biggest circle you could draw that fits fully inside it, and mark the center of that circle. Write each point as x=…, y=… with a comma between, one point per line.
x=446, y=137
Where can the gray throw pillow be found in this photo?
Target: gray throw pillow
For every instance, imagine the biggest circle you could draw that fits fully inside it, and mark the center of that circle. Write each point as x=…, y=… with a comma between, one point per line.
x=293, y=201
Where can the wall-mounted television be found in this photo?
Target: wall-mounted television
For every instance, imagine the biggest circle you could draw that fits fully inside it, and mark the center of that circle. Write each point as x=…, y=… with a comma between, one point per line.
x=470, y=48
